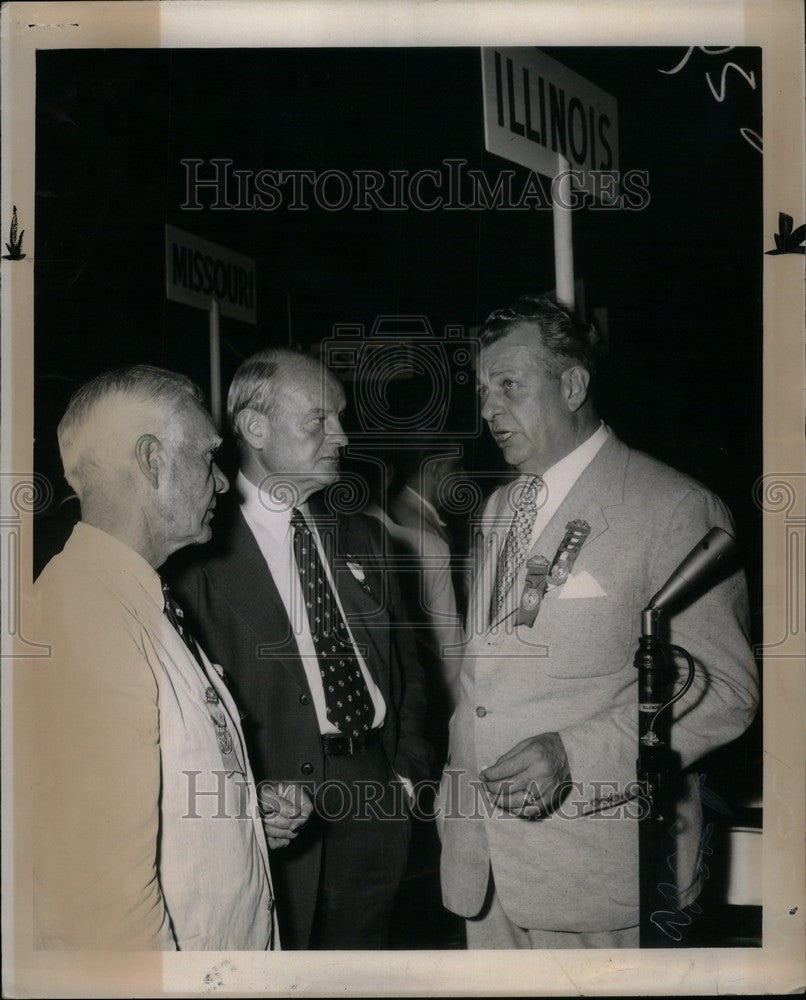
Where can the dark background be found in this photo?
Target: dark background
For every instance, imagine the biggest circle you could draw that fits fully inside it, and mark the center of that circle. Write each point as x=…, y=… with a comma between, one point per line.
x=680, y=280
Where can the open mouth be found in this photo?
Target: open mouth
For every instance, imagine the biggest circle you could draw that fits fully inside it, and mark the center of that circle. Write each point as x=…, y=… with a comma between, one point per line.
x=501, y=437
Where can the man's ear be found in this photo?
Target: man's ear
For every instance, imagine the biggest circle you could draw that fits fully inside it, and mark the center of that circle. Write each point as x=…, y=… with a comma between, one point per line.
x=254, y=428
x=148, y=452
x=575, y=382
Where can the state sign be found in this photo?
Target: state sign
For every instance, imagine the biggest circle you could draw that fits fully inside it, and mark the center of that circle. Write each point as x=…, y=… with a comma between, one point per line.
x=536, y=109
x=197, y=271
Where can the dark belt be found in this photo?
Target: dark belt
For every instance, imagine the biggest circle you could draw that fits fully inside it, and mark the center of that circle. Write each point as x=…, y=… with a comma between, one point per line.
x=334, y=744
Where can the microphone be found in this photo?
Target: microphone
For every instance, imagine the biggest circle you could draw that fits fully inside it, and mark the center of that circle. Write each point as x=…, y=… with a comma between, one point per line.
x=712, y=552
x=657, y=762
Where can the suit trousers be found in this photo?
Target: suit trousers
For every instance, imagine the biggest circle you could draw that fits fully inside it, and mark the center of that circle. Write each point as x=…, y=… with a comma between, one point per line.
x=492, y=928
x=363, y=819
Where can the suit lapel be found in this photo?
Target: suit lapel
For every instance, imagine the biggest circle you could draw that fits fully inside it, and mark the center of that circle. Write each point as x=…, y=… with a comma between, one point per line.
x=600, y=486
x=361, y=607
x=485, y=561
x=240, y=574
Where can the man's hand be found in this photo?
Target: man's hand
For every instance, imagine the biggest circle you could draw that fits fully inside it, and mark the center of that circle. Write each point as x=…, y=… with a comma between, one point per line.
x=529, y=779
x=285, y=808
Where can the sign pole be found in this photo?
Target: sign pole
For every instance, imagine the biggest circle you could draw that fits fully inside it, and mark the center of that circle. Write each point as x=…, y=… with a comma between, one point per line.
x=542, y=115
x=563, y=235
x=215, y=362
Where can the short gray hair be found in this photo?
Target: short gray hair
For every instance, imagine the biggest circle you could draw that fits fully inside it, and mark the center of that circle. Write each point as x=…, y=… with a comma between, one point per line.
x=90, y=431
x=255, y=385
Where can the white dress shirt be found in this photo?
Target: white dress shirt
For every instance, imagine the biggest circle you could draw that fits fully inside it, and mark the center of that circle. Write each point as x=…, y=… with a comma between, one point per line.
x=275, y=538
x=559, y=480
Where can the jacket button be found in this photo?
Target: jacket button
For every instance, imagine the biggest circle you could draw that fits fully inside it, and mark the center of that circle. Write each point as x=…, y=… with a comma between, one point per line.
x=304, y=700
x=307, y=768
x=481, y=711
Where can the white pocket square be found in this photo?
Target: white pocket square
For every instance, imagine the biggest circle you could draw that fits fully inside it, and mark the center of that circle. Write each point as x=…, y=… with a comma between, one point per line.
x=581, y=584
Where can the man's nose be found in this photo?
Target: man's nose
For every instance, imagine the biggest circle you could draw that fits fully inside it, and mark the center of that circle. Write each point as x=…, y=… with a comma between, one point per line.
x=489, y=408
x=335, y=434
x=220, y=480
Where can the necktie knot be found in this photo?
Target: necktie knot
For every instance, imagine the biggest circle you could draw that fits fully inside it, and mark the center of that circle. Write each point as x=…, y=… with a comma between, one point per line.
x=530, y=490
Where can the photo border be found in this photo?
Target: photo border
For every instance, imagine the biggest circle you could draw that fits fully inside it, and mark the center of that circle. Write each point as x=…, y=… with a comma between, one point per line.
x=777, y=27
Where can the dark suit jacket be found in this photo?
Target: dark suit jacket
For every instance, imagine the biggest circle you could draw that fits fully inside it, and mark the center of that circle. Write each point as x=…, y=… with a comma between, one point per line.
x=234, y=608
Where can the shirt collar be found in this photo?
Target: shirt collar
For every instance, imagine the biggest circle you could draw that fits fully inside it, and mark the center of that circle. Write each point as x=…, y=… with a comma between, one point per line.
x=563, y=474
x=116, y=560
x=257, y=508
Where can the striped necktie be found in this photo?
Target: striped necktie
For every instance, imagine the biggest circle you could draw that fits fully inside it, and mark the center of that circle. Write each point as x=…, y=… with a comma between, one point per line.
x=516, y=545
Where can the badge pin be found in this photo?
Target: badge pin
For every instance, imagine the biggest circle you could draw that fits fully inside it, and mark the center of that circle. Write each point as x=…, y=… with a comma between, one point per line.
x=224, y=737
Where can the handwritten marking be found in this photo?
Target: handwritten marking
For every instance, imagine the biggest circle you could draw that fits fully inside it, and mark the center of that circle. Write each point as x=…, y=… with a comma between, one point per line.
x=749, y=135
x=708, y=50
x=671, y=922
x=750, y=77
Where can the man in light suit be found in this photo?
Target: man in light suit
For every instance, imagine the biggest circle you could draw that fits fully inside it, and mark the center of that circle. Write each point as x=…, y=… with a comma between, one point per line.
x=145, y=826
x=282, y=578
x=539, y=834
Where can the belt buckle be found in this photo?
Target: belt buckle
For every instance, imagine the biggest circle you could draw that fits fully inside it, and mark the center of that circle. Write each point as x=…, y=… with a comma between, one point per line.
x=350, y=748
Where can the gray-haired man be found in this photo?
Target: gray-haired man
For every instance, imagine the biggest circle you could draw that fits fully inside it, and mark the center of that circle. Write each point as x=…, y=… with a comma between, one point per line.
x=147, y=833
x=300, y=611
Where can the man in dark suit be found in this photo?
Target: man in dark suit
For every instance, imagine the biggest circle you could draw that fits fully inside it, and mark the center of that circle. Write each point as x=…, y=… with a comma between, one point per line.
x=295, y=605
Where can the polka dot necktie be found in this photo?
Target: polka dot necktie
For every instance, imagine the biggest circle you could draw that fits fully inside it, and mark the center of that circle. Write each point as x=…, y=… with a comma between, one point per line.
x=516, y=545
x=347, y=700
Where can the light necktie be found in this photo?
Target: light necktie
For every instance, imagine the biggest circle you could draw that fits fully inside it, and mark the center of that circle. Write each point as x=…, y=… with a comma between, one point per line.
x=516, y=545
x=347, y=700
x=175, y=615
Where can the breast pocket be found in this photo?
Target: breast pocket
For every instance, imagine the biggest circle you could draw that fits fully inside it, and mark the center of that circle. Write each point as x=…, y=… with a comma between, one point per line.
x=587, y=636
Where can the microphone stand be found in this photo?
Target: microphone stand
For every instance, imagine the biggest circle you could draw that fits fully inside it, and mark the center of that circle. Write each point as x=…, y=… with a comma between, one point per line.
x=657, y=765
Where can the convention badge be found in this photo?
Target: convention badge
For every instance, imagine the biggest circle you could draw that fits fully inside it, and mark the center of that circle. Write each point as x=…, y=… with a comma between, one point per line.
x=357, y=570
x=575, y=534
x=533, y=590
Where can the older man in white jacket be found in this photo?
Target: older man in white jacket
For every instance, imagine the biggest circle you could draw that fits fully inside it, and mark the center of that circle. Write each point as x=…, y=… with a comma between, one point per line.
x=147, y=832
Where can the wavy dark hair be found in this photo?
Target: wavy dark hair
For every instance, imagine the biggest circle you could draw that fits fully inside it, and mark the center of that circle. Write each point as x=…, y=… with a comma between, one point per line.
x=567, y=340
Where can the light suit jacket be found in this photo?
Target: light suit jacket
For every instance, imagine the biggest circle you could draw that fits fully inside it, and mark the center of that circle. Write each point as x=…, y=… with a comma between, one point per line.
x=144, y=835
x=573, y=673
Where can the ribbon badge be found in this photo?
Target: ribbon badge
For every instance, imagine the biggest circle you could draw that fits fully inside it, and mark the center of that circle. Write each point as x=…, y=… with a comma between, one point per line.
x=542, y=576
